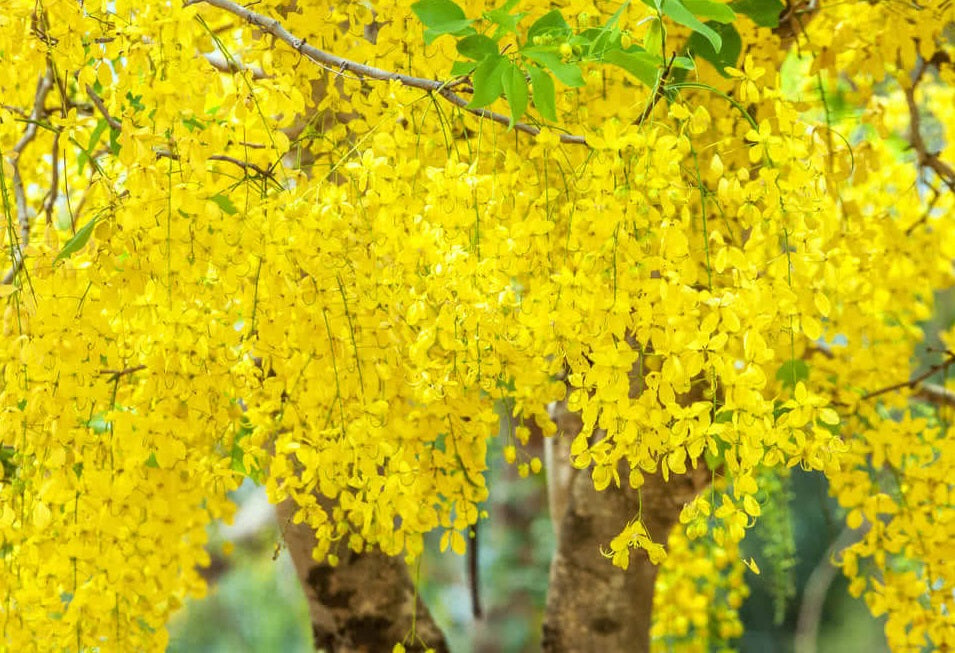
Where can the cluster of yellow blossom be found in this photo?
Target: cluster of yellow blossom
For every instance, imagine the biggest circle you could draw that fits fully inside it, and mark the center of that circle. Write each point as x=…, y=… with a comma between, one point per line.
x=239, y=264
x=698, y=591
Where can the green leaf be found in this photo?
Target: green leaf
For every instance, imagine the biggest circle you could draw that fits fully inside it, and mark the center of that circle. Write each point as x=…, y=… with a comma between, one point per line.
x=430, y=35
x=685, y=63
x=568, y=73
x=639, y=63
x=543, y=91
x=98, y=423
x=606, y=37
x=678, y=13
x=653, y=39
x=724, y=416
x=728, y=54
x=77, y=242
x=549, y=23
x=487, y=81
x=495, y=14
x=515, y=90
x=224, y=203
x=192, y=124
x=616, y=16
x=441, y=17
x=114, y=146
x=505, y=21
x=792, y=372
x=710, y=10
x=764, y=13
x=477, y=46
x=435, y=14
x=87, y=154
x=459, y=68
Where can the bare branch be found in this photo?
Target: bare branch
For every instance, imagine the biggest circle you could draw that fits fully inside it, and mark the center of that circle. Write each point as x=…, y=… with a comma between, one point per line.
x=221, y=64
x=43, y=87
x=115, y=124
x=50, y=199
x=817, y=587
x=926, y=159
x=115, y=375
x=915, y=381
x=936, y=394
x=340, y=65
x=101, y=106
x=658, y=93
x=246, y=165
x=930, y=392
x=793, y=20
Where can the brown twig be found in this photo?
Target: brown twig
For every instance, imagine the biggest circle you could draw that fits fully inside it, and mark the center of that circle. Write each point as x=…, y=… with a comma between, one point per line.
x=925, y=158
x=50, y=199
x=101, y=106
x=936, y=394
x=927, y=213
x=793, y=19
x=930, y=392
x=231, y=66
x=44, y=85
x=115, y=375
x=658, y=92
x=115, y=124
x=246, y=165
x=915, y=381
x=340, y=65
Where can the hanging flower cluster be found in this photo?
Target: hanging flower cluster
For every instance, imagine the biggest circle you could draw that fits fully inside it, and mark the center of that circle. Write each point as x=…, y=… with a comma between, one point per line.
x=227, y=262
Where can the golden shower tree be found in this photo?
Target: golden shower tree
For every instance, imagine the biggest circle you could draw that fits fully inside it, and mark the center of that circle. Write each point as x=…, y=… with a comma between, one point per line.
x=324, y=245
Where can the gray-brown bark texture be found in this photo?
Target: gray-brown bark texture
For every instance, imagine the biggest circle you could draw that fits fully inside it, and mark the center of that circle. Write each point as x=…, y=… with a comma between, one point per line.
x=366, y=604
x=592, y=605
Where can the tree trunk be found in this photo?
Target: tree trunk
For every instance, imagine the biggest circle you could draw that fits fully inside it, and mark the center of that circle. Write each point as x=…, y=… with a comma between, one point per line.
x=365, y=604
x=592, y=605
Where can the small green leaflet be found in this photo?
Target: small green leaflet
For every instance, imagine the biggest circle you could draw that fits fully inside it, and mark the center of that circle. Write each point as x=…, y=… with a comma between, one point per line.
x=505, y=21
x=568, y=74
x=550, y=23
x=224, y=203
x=653, y=39
x=543, y=91
x=607, y=36
x=87, y=153
x=477, y=46
x=459, y=68
x=77, y=242
x=642, y=65
x=792, y=372
x=487, y=81
x=98, y=423
x=679, y=13
x=441, y=17
x=710, y=10
x=727, y=56
x=515, y=90
x=764, y=13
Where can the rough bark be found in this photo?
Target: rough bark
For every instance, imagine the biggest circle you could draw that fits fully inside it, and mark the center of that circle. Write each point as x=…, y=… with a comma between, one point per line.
x=592, y=605
x=365, y=604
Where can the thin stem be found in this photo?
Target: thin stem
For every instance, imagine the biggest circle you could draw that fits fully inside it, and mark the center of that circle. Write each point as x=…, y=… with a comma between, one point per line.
x=340, y=66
